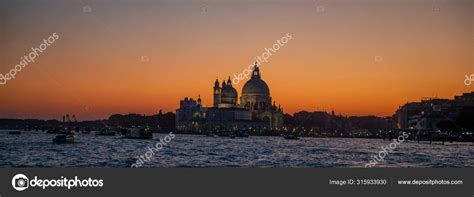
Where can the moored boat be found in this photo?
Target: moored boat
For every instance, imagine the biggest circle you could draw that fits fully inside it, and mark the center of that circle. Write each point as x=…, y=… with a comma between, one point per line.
x=291, y=137
x=107, y=131
x=138, y=133
x=224, y=134
x=63, y=139
x=242, y=134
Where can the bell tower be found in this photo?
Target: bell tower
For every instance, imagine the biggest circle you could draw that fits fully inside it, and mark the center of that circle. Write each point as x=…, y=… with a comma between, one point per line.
x=217, y=93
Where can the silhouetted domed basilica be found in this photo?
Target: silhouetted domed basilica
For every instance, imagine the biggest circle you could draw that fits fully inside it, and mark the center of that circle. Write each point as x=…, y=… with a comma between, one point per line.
x=255, y=111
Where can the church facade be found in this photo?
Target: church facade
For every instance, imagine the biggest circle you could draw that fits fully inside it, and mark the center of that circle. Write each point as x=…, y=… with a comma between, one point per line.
x=254, y=112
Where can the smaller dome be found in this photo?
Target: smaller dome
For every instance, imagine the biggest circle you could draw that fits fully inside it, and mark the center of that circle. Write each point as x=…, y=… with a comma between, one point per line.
x=229, y=95
x=229, y=92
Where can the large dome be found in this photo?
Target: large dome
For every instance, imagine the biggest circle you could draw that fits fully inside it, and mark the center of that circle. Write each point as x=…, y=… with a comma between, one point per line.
x=256, y=86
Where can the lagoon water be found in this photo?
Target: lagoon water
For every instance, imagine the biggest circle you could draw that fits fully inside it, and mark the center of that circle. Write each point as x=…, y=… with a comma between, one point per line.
x=35, y=149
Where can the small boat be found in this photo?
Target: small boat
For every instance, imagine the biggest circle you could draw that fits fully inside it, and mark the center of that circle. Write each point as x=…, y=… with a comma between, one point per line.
x=211, y=135
x=63, y=139
x=138, y=133
x=242, y=134
x=108, y=132
x=14, y=132
x=232, y=136
x=291, y=137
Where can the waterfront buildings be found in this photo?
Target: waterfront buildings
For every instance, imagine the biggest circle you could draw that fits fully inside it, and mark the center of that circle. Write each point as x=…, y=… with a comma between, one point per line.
x=427, y=113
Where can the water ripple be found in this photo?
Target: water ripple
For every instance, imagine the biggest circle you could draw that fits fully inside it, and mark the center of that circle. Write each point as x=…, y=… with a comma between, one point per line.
x=35, y=149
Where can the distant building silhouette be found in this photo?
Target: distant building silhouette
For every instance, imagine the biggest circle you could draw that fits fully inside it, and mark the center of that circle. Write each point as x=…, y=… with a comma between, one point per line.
x=429, y=112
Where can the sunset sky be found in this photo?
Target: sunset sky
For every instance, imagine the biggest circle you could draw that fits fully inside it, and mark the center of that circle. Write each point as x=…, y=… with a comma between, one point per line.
x=358, y=57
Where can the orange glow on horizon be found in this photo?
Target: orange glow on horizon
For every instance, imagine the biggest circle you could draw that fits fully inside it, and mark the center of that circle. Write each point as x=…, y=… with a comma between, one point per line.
x=356, y=58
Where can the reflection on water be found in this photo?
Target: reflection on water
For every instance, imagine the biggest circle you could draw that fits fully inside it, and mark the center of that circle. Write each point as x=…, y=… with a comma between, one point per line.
x=35, y=149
